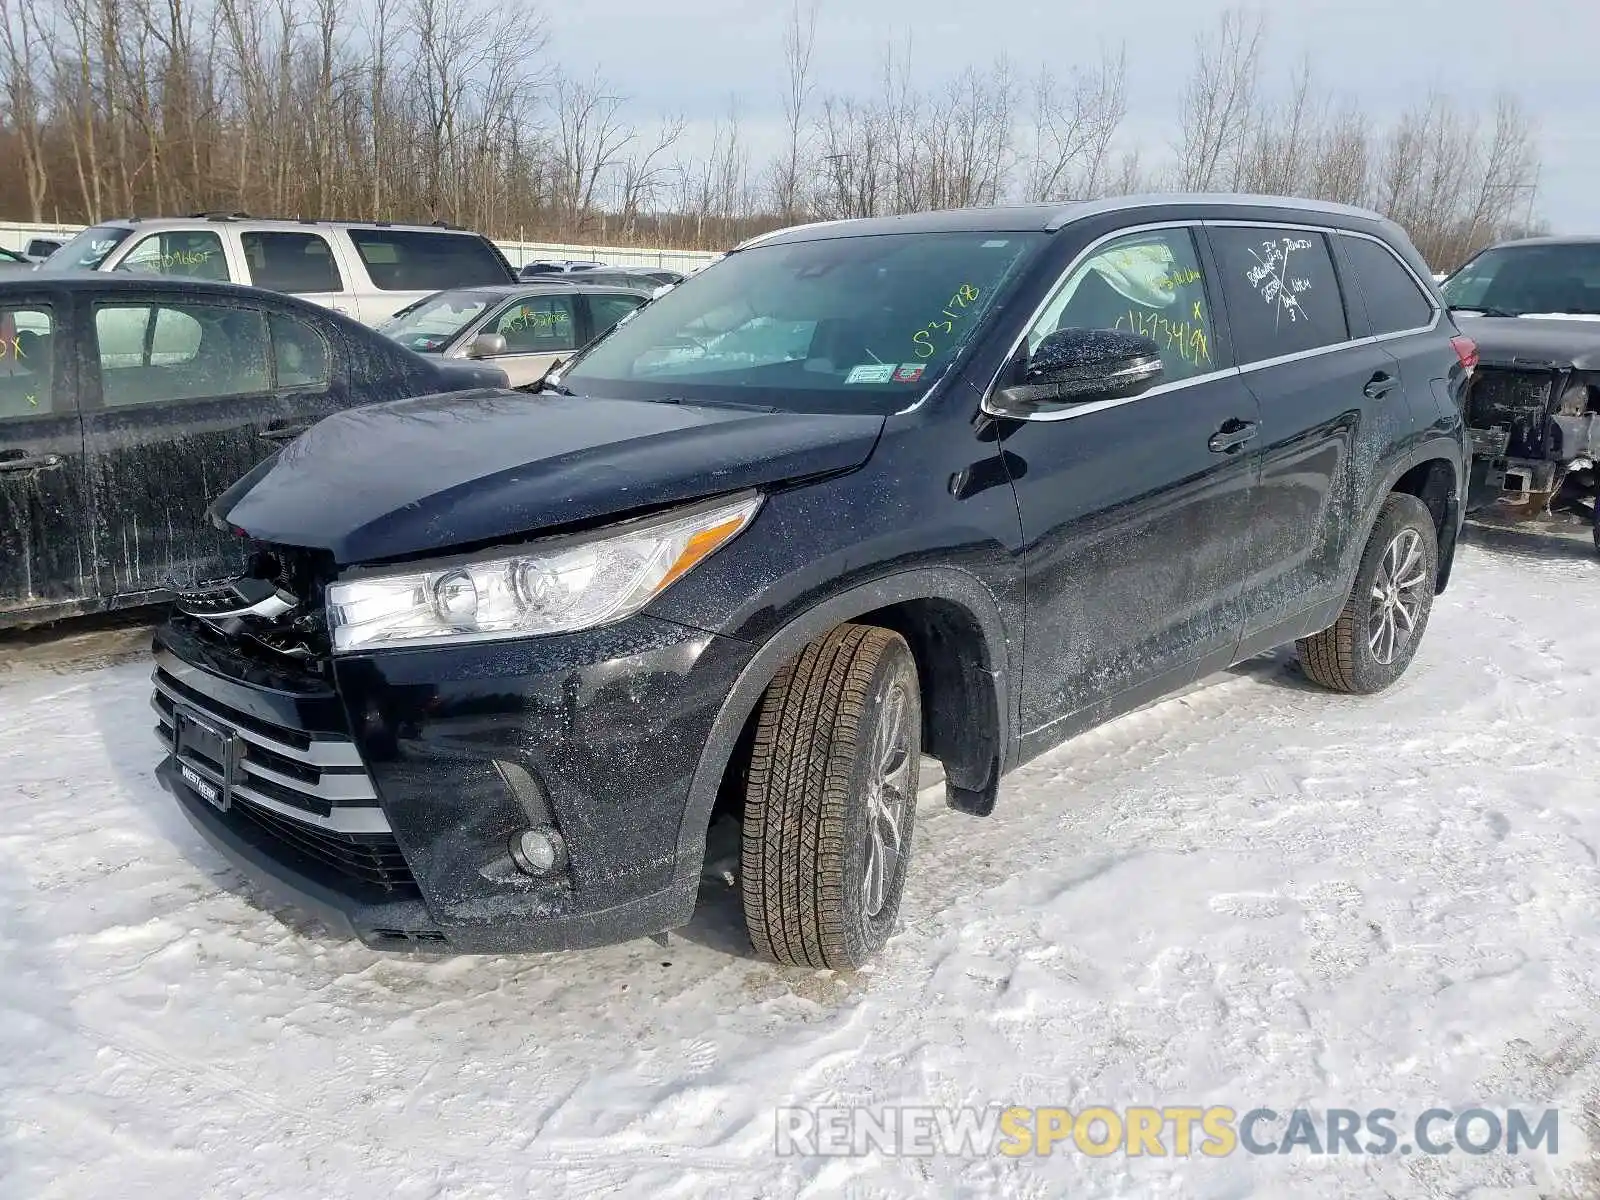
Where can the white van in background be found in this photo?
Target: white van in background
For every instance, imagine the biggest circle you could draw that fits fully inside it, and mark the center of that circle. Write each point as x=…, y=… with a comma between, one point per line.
x=368, y=270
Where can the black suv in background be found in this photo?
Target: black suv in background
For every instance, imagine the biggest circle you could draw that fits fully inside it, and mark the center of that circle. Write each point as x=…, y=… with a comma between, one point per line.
x=1533, y=410
x=962, y=483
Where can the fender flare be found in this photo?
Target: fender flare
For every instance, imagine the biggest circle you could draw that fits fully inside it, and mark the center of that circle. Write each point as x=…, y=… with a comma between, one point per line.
x=1447, y=449
x=925, y=583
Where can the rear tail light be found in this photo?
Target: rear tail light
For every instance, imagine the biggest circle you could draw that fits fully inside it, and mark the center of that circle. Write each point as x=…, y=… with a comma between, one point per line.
x=1466, y=350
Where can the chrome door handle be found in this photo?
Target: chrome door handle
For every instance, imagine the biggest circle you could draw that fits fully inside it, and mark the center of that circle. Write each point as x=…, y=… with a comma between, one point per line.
x=37, y=462
x=1232, y=436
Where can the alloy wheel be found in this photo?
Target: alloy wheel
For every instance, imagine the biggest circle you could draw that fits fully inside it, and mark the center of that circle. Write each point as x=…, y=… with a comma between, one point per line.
x=1398, y=595
x=888, y=795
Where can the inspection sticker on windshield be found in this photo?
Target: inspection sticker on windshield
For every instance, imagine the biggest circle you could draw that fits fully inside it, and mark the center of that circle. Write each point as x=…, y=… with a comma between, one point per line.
x=909, y=372
x=871, y=373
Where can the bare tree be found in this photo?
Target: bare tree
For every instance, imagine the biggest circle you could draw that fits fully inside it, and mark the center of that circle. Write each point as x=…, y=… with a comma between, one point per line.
x=1220, y=101
x=1073, y=130
x=22, y=40
x=799, y=40
x=591, y=136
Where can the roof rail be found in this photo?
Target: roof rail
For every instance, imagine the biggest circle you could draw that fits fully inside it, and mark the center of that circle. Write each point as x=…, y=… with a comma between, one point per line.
x=221, y=216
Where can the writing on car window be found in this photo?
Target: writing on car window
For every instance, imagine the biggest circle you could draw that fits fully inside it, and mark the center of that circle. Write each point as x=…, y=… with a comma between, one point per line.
x=926, y=340
x=1273, y=278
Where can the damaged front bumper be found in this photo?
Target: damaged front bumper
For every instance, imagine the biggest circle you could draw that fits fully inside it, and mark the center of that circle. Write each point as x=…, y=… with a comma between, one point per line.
x=386, y=799
x=1528, y=486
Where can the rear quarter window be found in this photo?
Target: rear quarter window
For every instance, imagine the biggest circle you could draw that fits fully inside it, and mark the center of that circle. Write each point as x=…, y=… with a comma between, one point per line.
x=1394, y=301
x=1282, y=293
x=422, y=261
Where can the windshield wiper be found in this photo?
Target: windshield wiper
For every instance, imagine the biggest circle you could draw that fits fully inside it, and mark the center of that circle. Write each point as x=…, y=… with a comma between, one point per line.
x=1485, y=309
x=766, y=408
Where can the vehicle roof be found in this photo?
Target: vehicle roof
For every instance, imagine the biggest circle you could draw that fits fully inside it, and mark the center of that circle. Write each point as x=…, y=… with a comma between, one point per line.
x=542, y=289
x=1048, y=218
x=1556, y=239
x=287, y=223
x=124, y=281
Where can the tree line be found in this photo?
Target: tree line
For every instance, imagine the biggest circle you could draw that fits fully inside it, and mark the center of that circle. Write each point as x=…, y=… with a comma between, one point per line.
x=453, y=110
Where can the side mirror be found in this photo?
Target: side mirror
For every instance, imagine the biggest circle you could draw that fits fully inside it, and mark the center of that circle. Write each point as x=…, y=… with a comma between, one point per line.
x=486, y=345
x=1078, y=366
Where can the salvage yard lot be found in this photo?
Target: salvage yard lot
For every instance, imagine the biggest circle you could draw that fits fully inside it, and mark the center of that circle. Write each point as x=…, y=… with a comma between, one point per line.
x=1255, y=893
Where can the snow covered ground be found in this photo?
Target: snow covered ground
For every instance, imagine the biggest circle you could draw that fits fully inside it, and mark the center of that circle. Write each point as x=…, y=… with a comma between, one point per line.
x=1254, y=894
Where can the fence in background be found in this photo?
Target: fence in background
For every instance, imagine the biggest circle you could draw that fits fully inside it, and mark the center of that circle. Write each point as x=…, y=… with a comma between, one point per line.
x=14, y=235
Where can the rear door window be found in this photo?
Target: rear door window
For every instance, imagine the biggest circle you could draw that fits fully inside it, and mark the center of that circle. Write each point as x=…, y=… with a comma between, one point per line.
x=1394, y=301
x=185, y=253
x=1282, y=294
x=407, y=260
x=154, y=353
x=606, y=311
x=300, y=354
x=296, y=263
x=27, y=354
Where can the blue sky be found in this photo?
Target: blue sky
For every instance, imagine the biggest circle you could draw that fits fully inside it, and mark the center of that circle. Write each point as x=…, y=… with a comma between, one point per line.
x=696, y=57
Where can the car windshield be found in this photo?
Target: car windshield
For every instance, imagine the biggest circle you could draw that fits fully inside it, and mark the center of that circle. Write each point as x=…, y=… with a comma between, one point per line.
x=88, y=250
x=861, y=323
x=1527, y=280
x=432, y=324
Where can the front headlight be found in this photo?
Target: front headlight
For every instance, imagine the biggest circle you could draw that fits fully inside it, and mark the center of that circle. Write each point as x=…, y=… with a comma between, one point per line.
x=557, y=586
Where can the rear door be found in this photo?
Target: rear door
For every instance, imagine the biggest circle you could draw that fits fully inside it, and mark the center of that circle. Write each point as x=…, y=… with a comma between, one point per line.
x=1328, y=395
x=604, y=309
x=181, y=390
x=44, y=507
x=297, y=263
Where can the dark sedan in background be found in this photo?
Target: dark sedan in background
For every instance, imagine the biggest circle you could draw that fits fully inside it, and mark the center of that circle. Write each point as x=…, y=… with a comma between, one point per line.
x=1533, y=308
x=127, y=403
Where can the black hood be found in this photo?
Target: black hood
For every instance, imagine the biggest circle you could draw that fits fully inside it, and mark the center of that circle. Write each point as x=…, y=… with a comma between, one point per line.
x=414, y=477
x=1534, y=341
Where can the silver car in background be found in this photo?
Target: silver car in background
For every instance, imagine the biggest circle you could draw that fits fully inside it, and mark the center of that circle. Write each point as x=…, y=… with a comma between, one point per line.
x=524, y=329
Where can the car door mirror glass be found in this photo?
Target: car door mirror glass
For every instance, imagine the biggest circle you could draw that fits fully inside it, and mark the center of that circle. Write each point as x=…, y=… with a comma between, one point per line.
x=487, y=345
x=1080, y=366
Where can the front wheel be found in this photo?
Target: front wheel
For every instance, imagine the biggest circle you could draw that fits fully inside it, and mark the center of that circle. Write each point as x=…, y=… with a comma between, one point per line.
x=831, y=800
x=1378, y=632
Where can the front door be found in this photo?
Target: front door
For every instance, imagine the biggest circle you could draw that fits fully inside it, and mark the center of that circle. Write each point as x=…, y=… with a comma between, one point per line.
x=1134, y=512
x=43, y=506
x=184, y=390
x=539, y=332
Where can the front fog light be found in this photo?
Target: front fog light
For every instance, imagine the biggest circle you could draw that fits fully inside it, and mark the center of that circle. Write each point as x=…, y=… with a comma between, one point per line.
x=539, y=851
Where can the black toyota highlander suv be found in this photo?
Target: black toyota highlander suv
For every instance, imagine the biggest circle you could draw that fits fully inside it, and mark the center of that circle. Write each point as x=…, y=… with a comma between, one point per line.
x=961, y=484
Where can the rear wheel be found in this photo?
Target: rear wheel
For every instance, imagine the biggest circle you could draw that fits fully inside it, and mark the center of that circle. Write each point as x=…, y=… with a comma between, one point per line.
x=831, y=800
x=1378, y=632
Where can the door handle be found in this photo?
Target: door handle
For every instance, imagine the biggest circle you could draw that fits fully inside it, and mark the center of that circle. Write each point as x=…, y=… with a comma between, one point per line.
x=281, y=433
x=37, y=462
x=1233, y=434
x=1379, y=386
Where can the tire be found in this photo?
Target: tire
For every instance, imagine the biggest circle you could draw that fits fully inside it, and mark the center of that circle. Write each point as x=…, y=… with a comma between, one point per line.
x=844, y=716
x=1369, y=646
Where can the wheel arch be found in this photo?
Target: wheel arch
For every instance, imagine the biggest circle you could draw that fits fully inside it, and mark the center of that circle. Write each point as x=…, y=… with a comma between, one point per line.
x=1433, y=474
x=934, y=609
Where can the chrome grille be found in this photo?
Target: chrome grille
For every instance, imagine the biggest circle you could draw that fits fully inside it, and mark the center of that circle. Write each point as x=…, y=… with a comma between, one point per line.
x=311, y=792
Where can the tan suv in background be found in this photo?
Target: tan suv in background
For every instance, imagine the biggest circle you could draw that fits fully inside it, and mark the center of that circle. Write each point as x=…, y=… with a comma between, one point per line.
x=366, y=270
